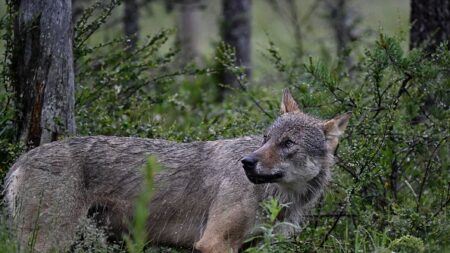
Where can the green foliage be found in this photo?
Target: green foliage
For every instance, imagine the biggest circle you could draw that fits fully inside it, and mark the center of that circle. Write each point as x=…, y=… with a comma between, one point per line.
x=9, y=149
x=137, y=240
x=407, y=244
x=114, y=85
x=142, y=94
x=8, y=243
x=391, y=181
x=273, y=209
x=269, y=239
x=92, y=19
x=92, y=238
x=390, y=189
x=391, y=174
x=9, y=152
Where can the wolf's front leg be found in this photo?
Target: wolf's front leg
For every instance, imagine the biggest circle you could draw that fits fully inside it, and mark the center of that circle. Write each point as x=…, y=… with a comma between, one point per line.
x=225, y=231
x=230, y=218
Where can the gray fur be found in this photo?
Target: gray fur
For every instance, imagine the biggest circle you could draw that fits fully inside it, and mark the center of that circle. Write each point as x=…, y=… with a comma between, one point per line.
x=57, y=184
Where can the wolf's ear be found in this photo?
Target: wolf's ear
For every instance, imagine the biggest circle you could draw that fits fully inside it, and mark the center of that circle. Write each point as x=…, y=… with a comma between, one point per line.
x=334, y=128
x=288, y=103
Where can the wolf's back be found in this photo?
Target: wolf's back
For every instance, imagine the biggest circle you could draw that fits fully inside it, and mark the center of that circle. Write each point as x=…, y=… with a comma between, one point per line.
x=77, y=160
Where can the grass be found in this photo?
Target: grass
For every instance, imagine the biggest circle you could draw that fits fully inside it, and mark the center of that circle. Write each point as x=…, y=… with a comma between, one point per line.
x=138, y=236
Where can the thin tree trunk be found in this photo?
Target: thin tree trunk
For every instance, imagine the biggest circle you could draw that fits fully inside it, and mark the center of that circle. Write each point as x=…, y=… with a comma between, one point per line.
x=343, y=21
x=43, y=66
x=338, y=16
x=188, y=23
x=131, y=23
x=236, y=32
x=78, y=7
x=430, y=23
x=295, y=21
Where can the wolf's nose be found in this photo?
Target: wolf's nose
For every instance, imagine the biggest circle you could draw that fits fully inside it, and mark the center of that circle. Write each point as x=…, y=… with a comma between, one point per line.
x=249, y=162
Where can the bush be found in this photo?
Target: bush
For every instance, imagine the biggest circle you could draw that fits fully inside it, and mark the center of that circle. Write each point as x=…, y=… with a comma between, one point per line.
x=390, y=187
x=391, y=176
x=407, y=244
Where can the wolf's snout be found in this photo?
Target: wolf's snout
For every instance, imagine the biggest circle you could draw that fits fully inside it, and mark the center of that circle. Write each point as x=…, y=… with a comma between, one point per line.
x=249, y=163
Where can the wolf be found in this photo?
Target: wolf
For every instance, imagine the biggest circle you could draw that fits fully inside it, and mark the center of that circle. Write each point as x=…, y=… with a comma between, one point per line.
x=207, y=198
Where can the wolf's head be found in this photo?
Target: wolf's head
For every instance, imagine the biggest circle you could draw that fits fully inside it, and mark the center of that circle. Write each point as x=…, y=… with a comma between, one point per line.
x=296, y=148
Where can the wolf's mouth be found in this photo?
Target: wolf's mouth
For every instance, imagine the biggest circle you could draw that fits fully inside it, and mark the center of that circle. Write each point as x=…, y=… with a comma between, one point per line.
x=263, y=178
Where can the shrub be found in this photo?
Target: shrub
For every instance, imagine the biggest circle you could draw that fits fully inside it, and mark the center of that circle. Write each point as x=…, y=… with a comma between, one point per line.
x=391, y=177
x=407, y=244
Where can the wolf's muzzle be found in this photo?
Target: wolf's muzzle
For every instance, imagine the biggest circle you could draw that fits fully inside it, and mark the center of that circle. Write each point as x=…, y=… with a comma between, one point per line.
x=249, y=164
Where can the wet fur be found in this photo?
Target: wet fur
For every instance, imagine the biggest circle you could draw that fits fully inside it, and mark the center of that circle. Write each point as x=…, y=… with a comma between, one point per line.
x=202, y=198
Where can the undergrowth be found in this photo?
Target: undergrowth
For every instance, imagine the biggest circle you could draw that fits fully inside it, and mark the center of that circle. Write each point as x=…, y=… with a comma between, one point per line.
x=391, y=186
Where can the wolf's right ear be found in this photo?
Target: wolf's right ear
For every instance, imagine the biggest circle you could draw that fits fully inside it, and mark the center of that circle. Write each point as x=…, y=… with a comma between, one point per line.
x=288, y=103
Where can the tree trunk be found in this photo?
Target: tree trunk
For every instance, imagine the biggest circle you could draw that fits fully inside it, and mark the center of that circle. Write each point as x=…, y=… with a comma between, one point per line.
x=131, y=23
x=295, y=22
x=43, y=67
x=236, y=32
x=338, y=20
x=430, y=23
x=343, y=20
x=188, y=23
x=78, y=7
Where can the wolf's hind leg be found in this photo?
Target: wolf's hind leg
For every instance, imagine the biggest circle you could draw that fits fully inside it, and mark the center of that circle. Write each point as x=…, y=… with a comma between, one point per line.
x=46, y=214
x=49, y=228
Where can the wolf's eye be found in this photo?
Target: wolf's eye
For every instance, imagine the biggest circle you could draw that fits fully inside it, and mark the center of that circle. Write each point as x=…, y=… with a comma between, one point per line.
x=288, y=143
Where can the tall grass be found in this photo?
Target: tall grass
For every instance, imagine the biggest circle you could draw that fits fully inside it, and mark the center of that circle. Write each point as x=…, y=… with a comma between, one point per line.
x=137, y=239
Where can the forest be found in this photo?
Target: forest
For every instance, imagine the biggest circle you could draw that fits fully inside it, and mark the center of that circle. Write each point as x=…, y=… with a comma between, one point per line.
x=196, y=70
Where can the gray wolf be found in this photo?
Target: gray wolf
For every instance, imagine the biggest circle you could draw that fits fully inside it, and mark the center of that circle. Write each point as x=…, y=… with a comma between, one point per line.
x=207, y=197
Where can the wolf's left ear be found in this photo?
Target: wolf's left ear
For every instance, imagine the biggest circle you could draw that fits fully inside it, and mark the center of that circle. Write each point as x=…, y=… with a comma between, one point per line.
x=288, y=103
x=334, y=128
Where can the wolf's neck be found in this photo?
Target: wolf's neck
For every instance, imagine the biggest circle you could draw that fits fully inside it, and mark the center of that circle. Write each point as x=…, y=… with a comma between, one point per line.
x=298, y=201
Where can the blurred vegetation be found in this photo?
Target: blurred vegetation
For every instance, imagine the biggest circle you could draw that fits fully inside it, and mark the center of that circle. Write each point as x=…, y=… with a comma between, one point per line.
x=391, y=185
x=138, y=235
